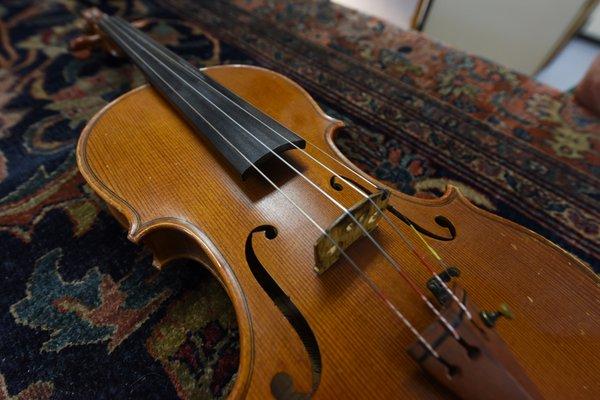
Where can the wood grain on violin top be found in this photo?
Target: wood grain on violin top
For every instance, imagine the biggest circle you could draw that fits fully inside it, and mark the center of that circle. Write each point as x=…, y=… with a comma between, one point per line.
x=183, y=199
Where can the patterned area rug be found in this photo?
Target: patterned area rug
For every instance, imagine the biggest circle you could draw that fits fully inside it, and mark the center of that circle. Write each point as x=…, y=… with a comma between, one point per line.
x=83, y=312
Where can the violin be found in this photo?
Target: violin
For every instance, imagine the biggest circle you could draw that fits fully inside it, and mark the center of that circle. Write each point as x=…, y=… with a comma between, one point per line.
x=342, y=287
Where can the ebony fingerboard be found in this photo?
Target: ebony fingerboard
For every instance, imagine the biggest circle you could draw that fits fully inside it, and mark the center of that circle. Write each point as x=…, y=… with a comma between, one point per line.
x=244, y=135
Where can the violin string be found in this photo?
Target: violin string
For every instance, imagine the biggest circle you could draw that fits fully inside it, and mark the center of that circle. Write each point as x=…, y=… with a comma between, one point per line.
x=171, y=56
x=389, y=259
x=372, y=284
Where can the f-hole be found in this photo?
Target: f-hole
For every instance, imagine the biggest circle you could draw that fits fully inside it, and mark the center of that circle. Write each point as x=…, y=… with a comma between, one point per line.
x=282, y=384
x=440, y=219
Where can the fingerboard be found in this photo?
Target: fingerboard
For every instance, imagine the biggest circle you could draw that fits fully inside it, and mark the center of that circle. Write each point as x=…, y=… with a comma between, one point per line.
x=244, y=135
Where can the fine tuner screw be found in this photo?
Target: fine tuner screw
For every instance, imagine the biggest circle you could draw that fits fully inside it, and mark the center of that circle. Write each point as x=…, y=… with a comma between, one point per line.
x=490, y=317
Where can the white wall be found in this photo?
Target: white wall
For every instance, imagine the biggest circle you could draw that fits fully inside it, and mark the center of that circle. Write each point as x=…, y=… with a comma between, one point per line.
x=592, y=27
x=398, y=12
x=516, y=33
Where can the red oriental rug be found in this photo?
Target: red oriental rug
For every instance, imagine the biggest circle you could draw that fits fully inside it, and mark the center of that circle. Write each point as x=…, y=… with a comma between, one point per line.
x=83, y=312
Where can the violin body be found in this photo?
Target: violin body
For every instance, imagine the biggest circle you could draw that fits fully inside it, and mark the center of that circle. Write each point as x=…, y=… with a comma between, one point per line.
x=179, y=197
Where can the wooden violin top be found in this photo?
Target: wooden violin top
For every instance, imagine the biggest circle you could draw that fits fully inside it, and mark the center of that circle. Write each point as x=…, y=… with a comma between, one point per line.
x=343, y=333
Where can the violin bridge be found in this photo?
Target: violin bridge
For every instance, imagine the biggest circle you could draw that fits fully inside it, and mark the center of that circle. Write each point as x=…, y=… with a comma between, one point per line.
x=344, y=231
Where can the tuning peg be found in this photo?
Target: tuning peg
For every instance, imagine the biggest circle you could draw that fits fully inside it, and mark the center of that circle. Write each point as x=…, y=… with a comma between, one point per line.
x=141, y=23
x=82, y=46
x=490, y=317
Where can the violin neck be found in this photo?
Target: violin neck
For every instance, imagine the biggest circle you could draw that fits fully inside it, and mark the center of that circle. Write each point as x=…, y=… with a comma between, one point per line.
x=244, y=135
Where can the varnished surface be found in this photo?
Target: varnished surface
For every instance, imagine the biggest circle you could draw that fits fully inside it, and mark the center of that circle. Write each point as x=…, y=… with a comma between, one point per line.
x=144, y=161
x=492, y=374
x=199, y=99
